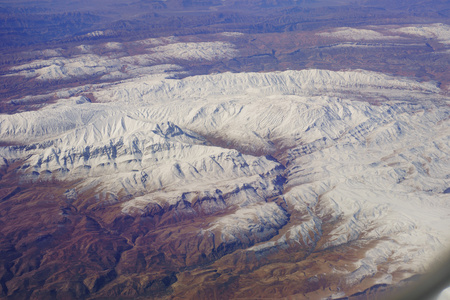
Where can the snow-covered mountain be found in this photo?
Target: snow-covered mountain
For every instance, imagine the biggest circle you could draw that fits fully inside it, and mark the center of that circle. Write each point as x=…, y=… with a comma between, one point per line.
x=310, y=159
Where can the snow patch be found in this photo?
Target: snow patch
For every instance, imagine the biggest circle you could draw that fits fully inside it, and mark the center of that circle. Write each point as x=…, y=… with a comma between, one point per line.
x=438, y=31
x=348, y=33
x=232, y=34
x=92, y=65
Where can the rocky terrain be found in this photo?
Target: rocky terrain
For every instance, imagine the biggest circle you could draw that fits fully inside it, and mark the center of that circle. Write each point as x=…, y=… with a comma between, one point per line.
x=249, y=149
